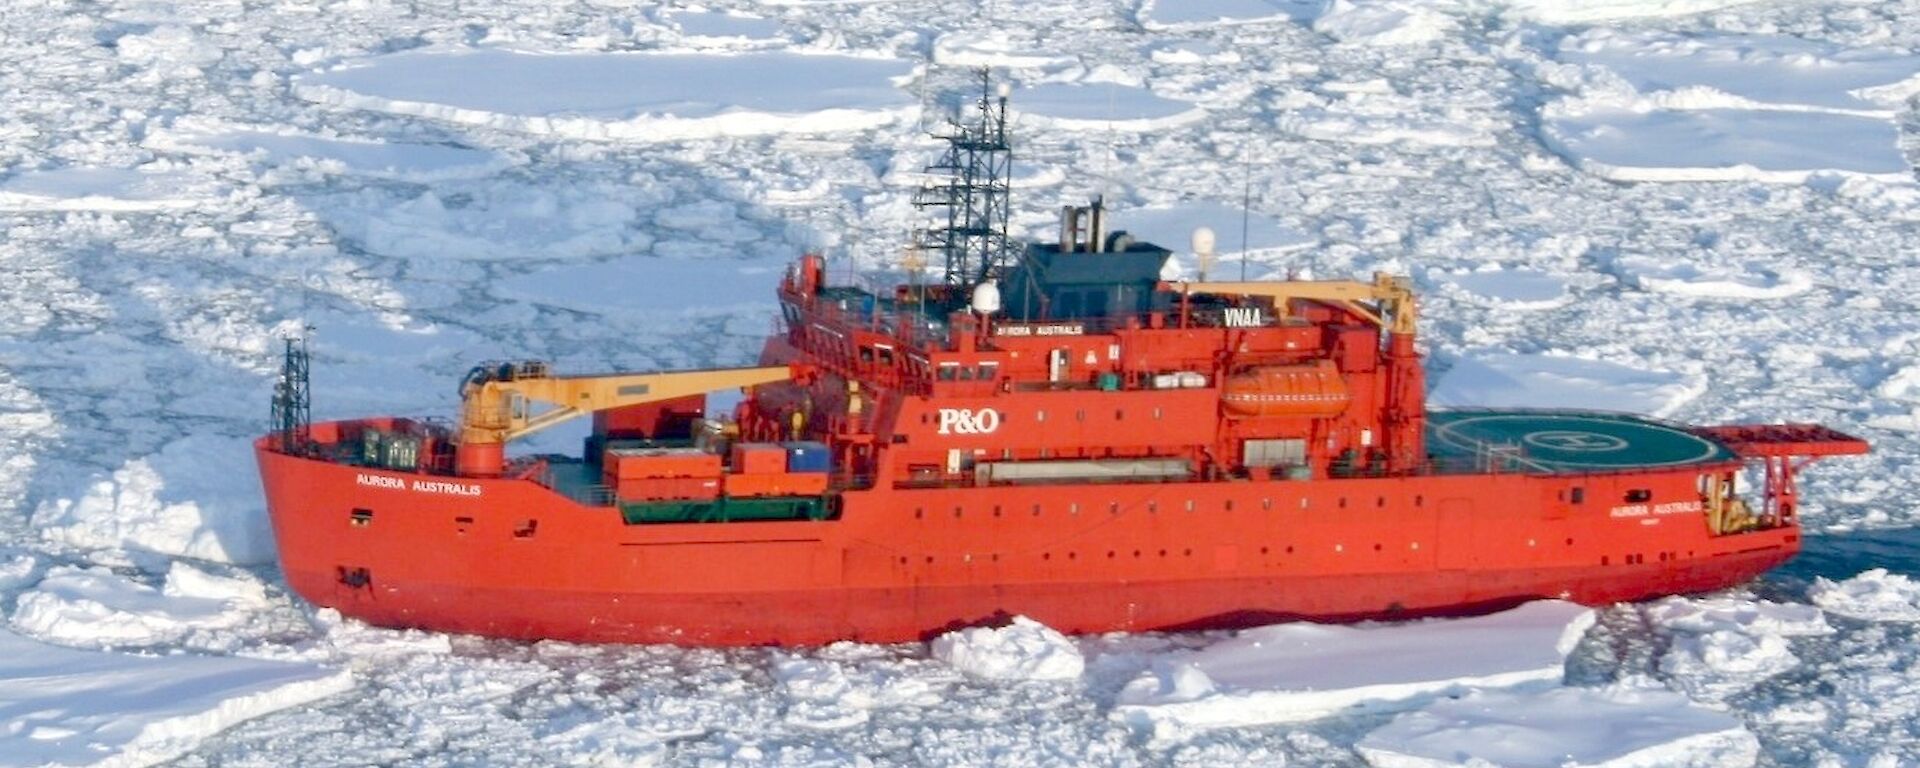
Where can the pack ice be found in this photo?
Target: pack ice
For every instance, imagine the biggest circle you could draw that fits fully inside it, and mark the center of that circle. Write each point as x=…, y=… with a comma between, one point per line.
x=64, y=707
x=1294, y=672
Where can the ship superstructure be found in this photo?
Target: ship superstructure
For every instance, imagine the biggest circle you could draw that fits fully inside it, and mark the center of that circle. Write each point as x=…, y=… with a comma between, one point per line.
x=1057, y=431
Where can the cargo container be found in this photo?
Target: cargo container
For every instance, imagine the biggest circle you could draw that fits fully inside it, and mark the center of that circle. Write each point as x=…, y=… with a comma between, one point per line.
x=776, y=484
x=638, y=463
x=759, y=458
x=641, y=489
x=808, y=456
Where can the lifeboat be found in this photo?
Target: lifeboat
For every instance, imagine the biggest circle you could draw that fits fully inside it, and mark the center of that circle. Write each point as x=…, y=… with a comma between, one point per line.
x=1308, y=390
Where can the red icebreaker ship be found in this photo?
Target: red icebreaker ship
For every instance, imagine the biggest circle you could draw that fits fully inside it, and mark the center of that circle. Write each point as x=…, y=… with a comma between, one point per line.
x=1052, y=431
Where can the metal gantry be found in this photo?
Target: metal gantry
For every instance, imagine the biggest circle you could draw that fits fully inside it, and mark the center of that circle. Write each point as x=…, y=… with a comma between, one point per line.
x=292, y=396
x=974, y=188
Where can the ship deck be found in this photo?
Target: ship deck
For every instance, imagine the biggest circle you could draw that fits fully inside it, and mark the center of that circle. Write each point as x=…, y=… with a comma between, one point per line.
x=1563, y=442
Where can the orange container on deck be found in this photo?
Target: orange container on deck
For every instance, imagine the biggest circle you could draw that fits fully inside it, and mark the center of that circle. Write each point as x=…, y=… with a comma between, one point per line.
x=638, y=463
x=661, y=488
x=759, y=459
x=777, y=484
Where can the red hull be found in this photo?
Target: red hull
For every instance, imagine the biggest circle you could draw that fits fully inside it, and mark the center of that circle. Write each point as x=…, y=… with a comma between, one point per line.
x=512, y=558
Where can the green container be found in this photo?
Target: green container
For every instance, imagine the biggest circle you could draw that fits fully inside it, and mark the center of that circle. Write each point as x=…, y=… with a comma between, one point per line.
x=725, y=510
x=1109, y=382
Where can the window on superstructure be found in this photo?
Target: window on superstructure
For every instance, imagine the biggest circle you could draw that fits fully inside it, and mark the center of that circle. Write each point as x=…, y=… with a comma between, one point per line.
x=966, y=373
x=989, y=371
x=866, y=355
x=886, y=356
x=1637, y=495
x=949, y=371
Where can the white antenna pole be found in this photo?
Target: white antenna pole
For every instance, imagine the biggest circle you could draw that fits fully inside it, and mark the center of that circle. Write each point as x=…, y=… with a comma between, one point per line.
x=1246, y=202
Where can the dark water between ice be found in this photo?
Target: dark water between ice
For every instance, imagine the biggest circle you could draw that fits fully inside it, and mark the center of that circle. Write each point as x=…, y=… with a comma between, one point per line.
x=1839, y=556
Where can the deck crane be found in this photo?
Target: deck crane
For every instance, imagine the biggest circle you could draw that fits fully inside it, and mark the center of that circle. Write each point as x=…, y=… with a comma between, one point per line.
x=496, y=401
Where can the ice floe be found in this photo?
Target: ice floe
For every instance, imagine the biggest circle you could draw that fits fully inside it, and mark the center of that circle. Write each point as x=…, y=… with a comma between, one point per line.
x=77, y=188
x=1515, y=288
x=484, y=221
x=1874, y=595
x=1172, y=227
x=185, y=500
x=399, y=161
x=1656, y=106
x=65, y=707
x=634, y=96
x=1024, y=649
x=1750, y=71
x=640, y=284
x=1562, y=728
x=1294, y=672
x=717, y=26
x=993, y=48
x=1506, y=380
x=1724, y=144
x=1383, y=22
x=1576, y=11
x=1186, y=14
x=1691, y=277
x=1101, y=106
x=97, y=608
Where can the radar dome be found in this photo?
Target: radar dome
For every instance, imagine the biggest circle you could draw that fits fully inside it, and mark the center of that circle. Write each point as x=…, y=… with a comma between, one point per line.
x=986, y=298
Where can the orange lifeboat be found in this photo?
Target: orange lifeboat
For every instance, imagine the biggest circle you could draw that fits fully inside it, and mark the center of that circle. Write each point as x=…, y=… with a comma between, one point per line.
x=1308, y=390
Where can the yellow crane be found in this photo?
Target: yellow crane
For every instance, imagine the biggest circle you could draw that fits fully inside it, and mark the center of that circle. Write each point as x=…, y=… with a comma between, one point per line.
x=496, y=401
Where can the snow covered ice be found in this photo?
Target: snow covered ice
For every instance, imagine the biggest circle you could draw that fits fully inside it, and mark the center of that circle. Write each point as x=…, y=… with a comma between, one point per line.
x=1698, y=209
x=1293, y=672
x=1562, y=728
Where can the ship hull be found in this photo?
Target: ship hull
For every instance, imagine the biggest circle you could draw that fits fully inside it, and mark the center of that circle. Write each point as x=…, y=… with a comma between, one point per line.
x=513, y=558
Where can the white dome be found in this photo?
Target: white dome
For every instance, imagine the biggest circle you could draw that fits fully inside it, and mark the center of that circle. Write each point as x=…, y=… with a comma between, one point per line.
x=986, y=298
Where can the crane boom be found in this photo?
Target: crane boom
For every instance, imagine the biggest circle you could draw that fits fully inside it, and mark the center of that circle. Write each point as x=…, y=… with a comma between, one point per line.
x=495, y=399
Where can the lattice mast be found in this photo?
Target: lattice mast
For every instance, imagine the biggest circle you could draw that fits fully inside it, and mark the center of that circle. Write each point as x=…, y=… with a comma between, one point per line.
x=974, y=189
x=292, y=397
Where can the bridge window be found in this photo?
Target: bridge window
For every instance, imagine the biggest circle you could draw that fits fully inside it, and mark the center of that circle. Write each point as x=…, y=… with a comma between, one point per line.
x=1637, y=495
x=989, y=371
x=949, y=371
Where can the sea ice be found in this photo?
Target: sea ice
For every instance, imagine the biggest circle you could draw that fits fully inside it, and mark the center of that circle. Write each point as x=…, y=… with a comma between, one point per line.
x=1171, y=227
x=1656, y=106
x=348, y=156
x=993, y=48
x=1516, y=288
x=1724, y=144
x=65, y=707
x=1101, y=106
x=1750, y=71
x=1562, y=728
x=94, y=607
x=1174, y=14
x=1681, y=275
x=101, y=189
x=185, y=500
x=1022, y=650
x=643, y=96
x=1874, y=595
x=1293, y=672
x=1578, y=11
x=640, y=284
x=1556, y=381
x=1383, y=22
x=713, y=25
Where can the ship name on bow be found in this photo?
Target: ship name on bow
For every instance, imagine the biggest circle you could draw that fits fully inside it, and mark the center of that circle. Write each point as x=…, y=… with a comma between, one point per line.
x=418, y=486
